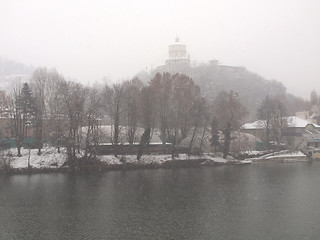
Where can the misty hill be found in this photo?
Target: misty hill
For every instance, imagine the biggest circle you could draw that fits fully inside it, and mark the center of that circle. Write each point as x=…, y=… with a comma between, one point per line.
x=9, y=67
x=252, y=88
x=12, y=72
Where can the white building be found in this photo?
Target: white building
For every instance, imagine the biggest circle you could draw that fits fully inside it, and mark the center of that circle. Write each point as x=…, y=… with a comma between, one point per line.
x=178, y=61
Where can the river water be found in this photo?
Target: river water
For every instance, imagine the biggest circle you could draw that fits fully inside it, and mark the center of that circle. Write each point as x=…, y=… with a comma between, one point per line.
x=263, y=201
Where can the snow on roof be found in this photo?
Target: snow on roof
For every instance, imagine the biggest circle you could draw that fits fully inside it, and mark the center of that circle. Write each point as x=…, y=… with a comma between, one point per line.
x=260, y=124
x=293, y=122
x=297, y=122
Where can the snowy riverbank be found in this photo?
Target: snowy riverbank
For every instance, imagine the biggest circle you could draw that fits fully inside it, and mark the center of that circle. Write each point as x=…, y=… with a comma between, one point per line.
x=52, y=161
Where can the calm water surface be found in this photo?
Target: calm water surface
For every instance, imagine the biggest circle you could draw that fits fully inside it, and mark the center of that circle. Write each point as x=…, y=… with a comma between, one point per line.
x=280, y=201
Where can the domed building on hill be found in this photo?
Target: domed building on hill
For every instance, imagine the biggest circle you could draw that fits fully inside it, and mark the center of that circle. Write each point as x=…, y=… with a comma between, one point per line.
x=178, y=61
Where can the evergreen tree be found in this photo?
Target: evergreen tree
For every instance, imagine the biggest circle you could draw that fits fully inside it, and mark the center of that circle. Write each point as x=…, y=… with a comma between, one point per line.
x=26, y=102
x=24, y=114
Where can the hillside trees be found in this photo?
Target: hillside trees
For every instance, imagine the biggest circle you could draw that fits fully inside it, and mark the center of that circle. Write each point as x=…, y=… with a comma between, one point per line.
x=214, y=78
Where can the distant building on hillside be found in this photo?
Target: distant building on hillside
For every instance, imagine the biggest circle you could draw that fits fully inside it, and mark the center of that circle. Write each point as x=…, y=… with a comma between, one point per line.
x=178, y=61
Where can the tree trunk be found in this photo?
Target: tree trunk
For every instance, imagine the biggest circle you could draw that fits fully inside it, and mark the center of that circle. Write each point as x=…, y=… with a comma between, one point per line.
x=204, y=132
x=145, y=140
x=227, y=140
x=191, y=141
x=174, y=143
x=29, y=158
x=19, y=151
x=116, y=130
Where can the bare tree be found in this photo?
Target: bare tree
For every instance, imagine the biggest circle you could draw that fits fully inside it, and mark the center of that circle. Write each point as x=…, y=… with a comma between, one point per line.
x=114, y=107
x=162, y=88
x=147, y=104
x=132, y=90
x=93, y=110
x=273, y=112
x=185, y=100
x=74, y=96
x=229, y=112
x=175, y=97
x=38, y=84
x=214, y=140
x=199, y=108
x=206, y=120
x=265, y=113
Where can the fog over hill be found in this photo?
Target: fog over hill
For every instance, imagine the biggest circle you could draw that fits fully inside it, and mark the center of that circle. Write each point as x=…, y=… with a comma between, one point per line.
x=12, y=73
x=9, y=67
x=252, y=87
x=212, y=78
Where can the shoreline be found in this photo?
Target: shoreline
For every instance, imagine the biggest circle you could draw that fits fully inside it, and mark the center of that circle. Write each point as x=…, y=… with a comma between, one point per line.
x=52, y=162
x=100, y=166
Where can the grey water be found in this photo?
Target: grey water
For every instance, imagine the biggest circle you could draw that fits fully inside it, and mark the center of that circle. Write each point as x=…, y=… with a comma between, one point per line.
x=264, y=201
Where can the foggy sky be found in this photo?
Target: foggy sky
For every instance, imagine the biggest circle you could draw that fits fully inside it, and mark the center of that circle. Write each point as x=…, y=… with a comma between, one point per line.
x=89, y=39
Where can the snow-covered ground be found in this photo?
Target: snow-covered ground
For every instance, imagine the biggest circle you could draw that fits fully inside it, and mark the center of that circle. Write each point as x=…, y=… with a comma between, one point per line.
x=287, y=155
x=284, y=156
x=145, y=159
x=160, y=159
x=50, y=158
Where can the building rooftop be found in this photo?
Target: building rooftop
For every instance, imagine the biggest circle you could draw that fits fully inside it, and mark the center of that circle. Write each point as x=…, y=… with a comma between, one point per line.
x=293, y=122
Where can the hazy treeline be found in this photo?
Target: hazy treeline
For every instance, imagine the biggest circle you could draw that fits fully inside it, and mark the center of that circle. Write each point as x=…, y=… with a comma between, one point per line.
x=67, y=113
